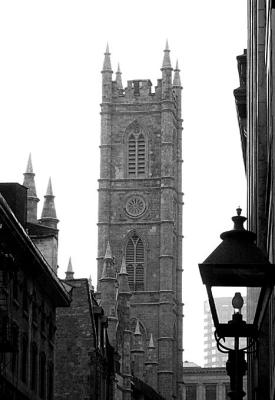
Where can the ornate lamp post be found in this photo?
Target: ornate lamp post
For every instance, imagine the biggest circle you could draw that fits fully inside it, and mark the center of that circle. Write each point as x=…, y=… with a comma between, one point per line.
x=238, y=262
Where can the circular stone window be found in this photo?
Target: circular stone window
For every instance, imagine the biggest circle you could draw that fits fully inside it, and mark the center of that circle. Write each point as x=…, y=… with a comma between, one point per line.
x=135, y=206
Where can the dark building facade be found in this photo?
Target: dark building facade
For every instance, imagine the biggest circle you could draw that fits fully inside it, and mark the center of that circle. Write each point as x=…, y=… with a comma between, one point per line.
x=30, y=292
x=256, y=67
x=85, y=361
x=140, y=223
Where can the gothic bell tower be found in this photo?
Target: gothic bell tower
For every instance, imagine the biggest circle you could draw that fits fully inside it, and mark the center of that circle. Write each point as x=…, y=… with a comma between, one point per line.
x=140, y=210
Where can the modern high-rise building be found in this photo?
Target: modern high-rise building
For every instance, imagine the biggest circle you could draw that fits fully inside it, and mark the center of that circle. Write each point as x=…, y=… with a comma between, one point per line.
x=212, y=356
x=140, y=220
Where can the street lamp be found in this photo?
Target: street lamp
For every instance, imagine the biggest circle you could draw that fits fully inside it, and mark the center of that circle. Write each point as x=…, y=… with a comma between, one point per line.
x=238, y=262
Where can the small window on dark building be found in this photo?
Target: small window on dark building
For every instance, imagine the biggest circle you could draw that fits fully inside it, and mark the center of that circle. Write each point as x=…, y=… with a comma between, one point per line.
x=24, y=359
x=34, y=363
x=210, y=392
x=191, y=392
x=42, y=375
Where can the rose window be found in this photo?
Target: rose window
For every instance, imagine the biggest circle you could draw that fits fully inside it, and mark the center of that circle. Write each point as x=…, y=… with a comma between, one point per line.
x=135, y=206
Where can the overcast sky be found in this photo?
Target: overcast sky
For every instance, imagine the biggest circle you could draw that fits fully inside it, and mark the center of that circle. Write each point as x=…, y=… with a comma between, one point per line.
x=50, y=90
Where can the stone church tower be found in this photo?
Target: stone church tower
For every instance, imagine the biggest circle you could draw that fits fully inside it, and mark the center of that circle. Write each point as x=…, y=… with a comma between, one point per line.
x=140, y=218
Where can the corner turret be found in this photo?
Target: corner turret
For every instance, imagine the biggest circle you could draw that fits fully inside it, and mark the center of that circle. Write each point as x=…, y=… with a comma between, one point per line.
x=32, y=198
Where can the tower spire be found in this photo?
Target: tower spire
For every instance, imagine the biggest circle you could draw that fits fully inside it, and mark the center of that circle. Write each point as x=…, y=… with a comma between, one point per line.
x=32, y=198
x=118, y=78
x=70, y=272
x=48, y=216
x=176, y=81
x=107, y=60
x=166, y=58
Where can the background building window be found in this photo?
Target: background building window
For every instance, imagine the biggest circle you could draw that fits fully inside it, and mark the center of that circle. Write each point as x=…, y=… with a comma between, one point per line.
x=135, y=263
x=191, y=392
x=210, y=392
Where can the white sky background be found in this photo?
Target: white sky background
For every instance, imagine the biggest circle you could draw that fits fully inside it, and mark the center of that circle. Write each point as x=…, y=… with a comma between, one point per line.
x=50, y=90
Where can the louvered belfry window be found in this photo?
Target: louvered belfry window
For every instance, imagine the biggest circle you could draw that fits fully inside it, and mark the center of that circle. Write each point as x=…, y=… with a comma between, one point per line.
x=135, y=263
x=136, y=154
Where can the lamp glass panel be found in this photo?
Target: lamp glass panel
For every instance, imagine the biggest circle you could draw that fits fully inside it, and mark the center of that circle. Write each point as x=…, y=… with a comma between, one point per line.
x=223, y=302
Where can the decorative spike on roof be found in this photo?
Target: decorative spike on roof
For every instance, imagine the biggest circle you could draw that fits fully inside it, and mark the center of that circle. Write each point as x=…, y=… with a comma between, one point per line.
x=70, y=267
x=29, y=180
x=176, y=81
x=123, y=269
x=107, y=60
x=123, y=283
x=70, y=272
x=108, y=253
x=137, y=330
x=29, y=169
x=151, y=342
x=166, y=58
x=49, y=188
x=118, y=78
x=48, y=216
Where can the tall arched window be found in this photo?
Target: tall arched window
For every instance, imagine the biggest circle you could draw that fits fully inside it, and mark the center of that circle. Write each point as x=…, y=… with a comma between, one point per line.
x=135, y=263
x=136, y=158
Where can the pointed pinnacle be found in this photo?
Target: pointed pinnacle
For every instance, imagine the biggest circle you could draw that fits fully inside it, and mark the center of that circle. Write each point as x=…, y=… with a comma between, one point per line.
x=29, y=180
x=118, y=78
x=70, y=267
x=166, y=59
x=107, y=60
x=29, y=169
x=108, y=253
x=176, y=80
x=137, y=330
x=123, y=270
x=69, y=272
x=49, y=188
x=151, y=342
x=48, y=211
